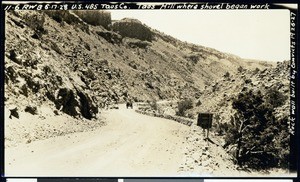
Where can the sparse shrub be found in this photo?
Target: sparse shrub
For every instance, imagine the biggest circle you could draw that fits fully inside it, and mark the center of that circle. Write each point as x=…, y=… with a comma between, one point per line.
x=59, y=80
x=282, y=141
x=256, y=71
x=36, y=22
x=183, y=106
x=56, y=15
x=46, y=69
x=134, y=43
x=222, y=128
x=11, y=74
x=275, y=97
x=33, y=84
x=153, y=105
x=30, y=63
x=240, y=69
x=89, y=73
x=95, y=17
x=61, y=16
x=227, y=75
x=84, y=27
x=247, y=81
x=198, y=94
x=135, y=99
x=193, y=58
x=110, y=36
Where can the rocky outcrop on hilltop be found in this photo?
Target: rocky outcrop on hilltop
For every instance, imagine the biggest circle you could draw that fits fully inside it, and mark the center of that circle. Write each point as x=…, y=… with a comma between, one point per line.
x=95, y=17
x=133, y=28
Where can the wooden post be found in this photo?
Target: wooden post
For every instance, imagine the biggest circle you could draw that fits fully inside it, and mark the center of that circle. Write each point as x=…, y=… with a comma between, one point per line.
x=207, y=133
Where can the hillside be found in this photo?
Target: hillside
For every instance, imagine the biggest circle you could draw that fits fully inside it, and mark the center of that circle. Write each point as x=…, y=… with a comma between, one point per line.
x=63, y=68
x=90, y=64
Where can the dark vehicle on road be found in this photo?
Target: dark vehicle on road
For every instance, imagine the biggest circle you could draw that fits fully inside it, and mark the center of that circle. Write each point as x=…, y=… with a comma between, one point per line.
x=129, y=104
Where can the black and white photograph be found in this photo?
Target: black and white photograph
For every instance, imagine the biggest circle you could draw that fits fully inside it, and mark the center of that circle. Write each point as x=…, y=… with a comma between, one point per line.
x=183, y=90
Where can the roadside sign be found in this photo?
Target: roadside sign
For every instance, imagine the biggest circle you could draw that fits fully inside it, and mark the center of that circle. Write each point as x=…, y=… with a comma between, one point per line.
x=205, y=120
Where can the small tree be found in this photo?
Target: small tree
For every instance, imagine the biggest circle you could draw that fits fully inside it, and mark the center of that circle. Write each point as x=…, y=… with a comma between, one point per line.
x=153, y=105
x=252, y=131
x=183, y=106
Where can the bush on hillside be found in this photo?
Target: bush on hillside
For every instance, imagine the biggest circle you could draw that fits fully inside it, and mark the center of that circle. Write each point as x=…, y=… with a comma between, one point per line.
x=110, y=36
x=134, y=43
x=227, y=75
x=194, y=58
x=36, y=22
x=63, y=16
x=183, y=106
x=56, y=15
x=275, y=97
x=258, y=136
x=240, y=69
x=153, y=105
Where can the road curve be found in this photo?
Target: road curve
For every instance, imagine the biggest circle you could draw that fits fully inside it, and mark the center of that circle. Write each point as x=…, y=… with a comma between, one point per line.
x=131, y=144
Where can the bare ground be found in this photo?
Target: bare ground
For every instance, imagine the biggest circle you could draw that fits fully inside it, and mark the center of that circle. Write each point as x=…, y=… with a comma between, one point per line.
x=130, y=144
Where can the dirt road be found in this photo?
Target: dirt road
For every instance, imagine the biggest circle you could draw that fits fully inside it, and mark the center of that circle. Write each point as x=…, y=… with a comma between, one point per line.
x=130, y=144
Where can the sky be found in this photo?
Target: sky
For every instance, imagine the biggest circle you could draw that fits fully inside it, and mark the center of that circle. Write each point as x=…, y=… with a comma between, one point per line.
x=250, y=34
